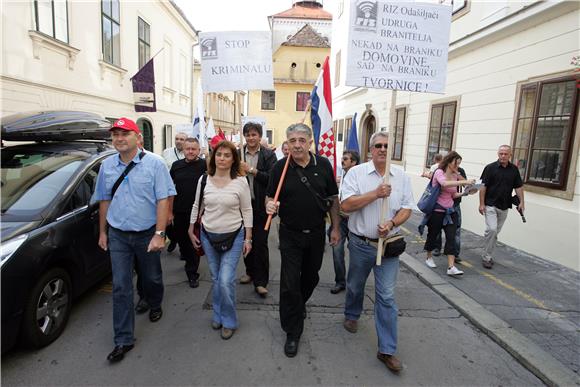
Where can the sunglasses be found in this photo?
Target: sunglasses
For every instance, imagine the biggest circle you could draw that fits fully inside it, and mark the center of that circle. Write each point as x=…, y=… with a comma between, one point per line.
x=379, y=146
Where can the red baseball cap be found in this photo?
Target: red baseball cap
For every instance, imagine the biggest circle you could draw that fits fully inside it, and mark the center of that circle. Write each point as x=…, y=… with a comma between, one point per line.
x=126, y=124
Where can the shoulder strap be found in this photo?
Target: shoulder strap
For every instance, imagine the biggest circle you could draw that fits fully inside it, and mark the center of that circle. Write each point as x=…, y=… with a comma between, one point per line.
x=203, y=183
x=305, y=181
x=124, y=174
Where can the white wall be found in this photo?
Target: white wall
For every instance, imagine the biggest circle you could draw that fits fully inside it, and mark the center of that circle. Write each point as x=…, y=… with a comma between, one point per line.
x=48, y=82
x=483, y=76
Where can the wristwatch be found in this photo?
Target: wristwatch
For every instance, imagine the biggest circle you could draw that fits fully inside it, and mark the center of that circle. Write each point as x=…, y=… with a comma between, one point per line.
x=160, y=233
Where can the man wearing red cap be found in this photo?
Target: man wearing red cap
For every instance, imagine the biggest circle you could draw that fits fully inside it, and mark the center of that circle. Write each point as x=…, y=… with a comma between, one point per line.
x=133, y=188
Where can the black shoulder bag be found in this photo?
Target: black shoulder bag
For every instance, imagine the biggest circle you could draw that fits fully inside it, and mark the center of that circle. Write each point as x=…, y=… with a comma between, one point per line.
x=325, y=204
x=124, y=174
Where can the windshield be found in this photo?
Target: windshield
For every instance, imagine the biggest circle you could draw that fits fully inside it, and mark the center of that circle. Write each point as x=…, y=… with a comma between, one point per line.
x=31, y=179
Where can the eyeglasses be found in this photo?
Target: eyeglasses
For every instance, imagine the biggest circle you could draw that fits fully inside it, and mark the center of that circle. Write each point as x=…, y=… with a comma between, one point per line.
x=379, y=146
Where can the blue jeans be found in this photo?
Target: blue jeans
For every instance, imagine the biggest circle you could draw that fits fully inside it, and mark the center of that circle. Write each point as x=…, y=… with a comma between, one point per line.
x=362, y=260
x=123, y=248
x=338, y=254
x=222, y=267
x=439, y=242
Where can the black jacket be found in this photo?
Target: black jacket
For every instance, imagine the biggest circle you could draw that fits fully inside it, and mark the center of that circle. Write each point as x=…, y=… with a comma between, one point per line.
x=266, y=161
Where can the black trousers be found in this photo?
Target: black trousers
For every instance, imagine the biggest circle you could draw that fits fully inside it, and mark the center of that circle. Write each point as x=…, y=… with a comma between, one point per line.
x=258, y=261
x=180, y=227
x=301, y=260
x=435, y=225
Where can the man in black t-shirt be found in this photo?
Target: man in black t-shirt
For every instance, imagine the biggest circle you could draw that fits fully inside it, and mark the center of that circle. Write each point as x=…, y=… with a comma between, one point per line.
x=185, y=174
x=500, y=178
x=302, y=227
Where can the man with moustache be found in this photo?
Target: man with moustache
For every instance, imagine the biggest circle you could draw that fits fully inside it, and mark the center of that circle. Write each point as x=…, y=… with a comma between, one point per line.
x=174, y=153
x=349, y=160
x=500, y=178
x=258, y=164
x=132, y=223
x=171, y=155
x=302, y=227
x=361, y=193
x=185, y=174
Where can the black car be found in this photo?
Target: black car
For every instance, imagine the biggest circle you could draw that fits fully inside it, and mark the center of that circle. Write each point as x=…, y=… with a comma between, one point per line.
x=49, y=227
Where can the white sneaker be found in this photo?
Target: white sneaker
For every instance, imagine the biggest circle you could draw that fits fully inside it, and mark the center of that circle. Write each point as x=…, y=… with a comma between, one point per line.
x=454, y=271
x=429, y=262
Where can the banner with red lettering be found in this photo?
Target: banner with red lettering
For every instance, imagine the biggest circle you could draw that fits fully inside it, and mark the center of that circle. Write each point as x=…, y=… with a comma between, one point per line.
x=236, y=60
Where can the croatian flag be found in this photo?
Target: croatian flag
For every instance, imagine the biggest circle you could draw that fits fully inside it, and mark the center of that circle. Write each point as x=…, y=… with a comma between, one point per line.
x=321, y=116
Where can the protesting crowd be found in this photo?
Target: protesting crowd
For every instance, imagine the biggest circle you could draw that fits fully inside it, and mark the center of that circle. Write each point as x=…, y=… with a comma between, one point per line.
x=221, y=205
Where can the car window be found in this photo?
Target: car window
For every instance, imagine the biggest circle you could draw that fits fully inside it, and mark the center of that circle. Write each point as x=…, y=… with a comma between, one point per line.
x=32, y=179
x=86, y=188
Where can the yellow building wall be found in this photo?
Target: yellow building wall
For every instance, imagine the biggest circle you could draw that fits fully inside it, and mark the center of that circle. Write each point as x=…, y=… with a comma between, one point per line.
x=288, y=80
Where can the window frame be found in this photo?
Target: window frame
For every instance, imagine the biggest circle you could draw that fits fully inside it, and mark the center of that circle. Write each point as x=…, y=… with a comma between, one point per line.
x=303, y=93
x=145, y=43
x=396, y=129
x=455, y=102
x=262, y=100
x=112, y=21
x=53, y=35
x=567, y=159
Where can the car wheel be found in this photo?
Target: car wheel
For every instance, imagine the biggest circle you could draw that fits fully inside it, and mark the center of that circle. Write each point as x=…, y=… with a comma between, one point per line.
x=47, y=309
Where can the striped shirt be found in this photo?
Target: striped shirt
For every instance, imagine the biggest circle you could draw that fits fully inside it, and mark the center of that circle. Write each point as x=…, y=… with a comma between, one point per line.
x=364, y=178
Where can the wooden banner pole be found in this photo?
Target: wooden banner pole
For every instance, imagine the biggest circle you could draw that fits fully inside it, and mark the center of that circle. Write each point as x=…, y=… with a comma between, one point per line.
x=283, y=176
x=386, y=176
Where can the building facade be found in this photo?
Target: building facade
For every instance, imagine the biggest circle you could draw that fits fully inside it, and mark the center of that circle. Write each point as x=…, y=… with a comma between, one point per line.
x=72, y=55
x=510, y=80
x=297, y=63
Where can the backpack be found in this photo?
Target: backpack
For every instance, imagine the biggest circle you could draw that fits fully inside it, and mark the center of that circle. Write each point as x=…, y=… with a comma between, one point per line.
x=428, y=200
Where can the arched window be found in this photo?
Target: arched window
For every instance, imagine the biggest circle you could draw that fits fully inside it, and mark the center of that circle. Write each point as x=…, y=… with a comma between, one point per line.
x=369, y=127
x=147, y=132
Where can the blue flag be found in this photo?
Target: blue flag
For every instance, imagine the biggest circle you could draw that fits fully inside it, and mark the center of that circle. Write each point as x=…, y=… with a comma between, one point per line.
x=352, y=142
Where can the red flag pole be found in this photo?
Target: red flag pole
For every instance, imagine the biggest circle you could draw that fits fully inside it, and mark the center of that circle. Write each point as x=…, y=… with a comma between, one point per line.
x=283, y=175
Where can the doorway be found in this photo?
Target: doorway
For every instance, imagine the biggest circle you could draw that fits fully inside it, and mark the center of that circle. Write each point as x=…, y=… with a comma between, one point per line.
x=147, y=132
x=369, y=126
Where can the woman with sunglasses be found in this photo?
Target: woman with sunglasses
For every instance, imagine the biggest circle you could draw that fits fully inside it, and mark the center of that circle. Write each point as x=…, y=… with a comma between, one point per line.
x=444, y=216
x=226, y=212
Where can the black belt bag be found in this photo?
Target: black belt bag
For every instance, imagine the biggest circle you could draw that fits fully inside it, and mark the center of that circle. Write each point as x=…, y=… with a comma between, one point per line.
x=222, y=242
x=394, y=248
x=391, y=249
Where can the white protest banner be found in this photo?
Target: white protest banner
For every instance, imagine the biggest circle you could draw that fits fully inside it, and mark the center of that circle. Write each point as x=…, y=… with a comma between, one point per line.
x=233, y=61
x=398, y=45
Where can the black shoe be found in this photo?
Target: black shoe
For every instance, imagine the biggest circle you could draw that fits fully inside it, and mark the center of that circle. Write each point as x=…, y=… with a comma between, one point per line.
x=155, y=314
x=291, y=347
x=193, y=283
x=337, y=289
x=172, y=246
x=142, y=306
x=119, y=353
x=437, y=252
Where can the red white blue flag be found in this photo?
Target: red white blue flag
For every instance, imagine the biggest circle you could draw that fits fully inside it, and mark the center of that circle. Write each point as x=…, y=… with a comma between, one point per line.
x=321, y=116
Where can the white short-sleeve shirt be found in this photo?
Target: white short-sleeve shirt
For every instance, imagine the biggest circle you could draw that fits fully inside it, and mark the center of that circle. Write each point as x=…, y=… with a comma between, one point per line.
x=364, y=178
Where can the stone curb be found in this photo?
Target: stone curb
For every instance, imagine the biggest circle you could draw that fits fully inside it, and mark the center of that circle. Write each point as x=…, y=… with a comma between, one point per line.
x=528, y=353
